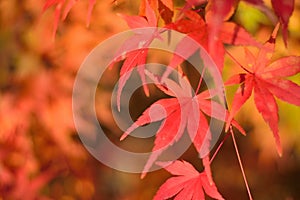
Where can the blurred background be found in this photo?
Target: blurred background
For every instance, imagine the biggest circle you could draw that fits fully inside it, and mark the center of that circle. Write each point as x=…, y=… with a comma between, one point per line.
x=41, y=156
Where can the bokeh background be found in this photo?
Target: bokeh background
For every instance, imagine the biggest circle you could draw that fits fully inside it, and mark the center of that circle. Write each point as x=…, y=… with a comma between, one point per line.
x=41, y=156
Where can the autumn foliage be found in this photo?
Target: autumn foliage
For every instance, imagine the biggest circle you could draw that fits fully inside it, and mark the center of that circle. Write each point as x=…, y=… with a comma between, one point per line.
x=38, y=140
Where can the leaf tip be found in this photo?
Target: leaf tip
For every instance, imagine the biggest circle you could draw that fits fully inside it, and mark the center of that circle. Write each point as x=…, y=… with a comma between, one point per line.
x=279, y=150
x=278, y=144
x=242, y=131
x=124, y=136
x=143, y=175
x=227, y=127
x=146, y=90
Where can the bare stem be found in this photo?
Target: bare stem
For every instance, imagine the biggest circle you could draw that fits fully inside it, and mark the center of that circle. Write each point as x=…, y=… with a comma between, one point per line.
x=240, y=162
x=219, y=147
x=200, y=80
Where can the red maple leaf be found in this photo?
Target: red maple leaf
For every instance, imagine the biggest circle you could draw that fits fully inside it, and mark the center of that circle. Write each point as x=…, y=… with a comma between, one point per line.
x=140, y=43
x=180, y=113
x=196, y=28
x=267, y=80
x=187, y=184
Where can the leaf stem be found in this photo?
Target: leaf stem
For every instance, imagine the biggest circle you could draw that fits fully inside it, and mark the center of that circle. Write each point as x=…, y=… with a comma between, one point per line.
x=240, y=163
x=200, y=81
x=219, y=147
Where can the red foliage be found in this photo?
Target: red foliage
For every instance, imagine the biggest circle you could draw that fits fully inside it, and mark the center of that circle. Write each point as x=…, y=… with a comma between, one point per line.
x=188, y=183
x=267, y=80
x=210, y=26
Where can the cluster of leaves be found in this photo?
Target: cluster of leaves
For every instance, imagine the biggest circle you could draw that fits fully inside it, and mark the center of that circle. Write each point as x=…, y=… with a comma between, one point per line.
x=208, y=23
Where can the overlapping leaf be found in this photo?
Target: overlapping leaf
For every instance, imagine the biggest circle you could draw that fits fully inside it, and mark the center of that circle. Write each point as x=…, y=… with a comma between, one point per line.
x=196, y=28
x=180, y=113
x=267, y=80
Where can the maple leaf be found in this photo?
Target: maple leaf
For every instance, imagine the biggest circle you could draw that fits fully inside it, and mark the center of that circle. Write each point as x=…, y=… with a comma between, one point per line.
x=267, y=80
x=196, y=28
x=180, y=113
x=61, y=5
x=187, y=184
x=140, y=42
